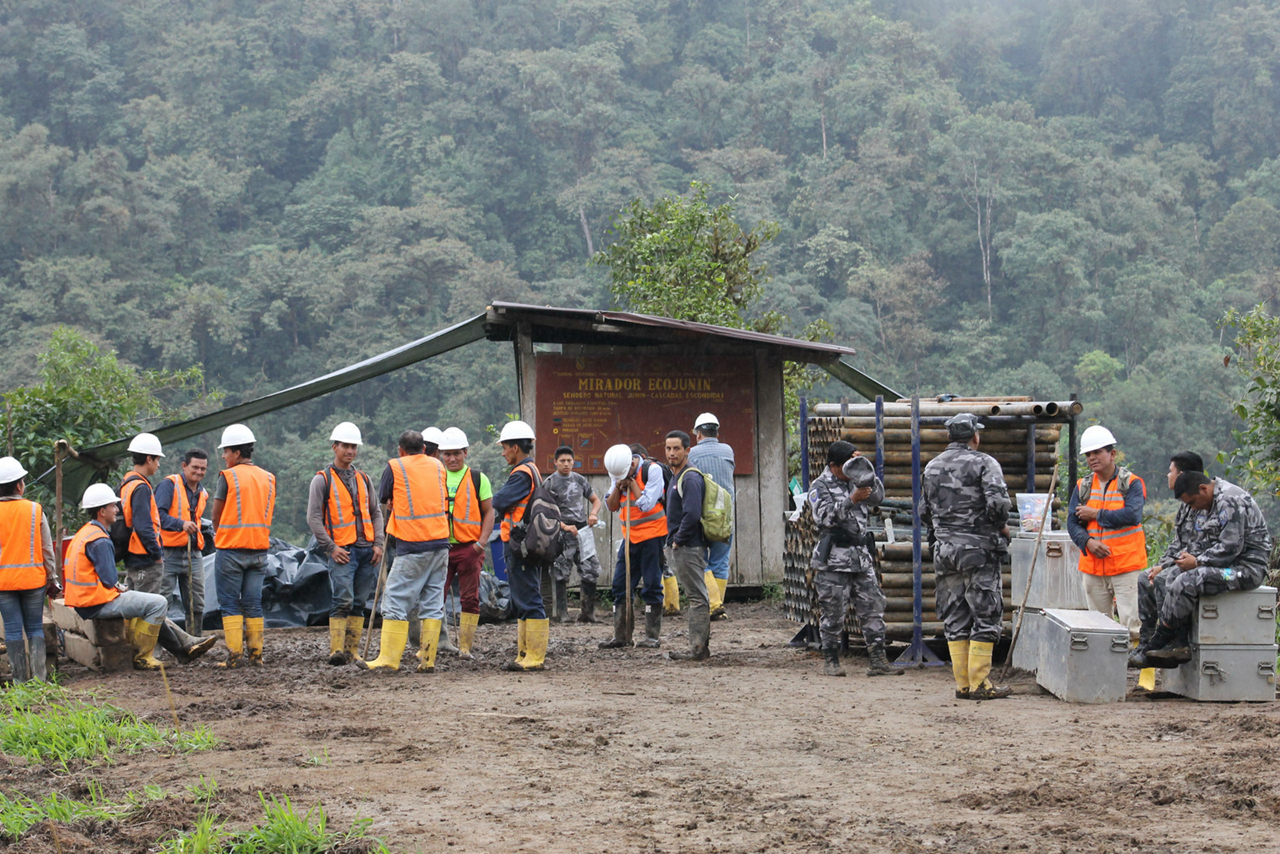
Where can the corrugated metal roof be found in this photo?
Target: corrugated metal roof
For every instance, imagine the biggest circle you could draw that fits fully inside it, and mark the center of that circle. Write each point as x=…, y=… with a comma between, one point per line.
x=607, y=325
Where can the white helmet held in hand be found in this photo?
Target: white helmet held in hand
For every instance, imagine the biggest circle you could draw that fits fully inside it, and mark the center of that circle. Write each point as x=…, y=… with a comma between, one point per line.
x=1094, y=438
x=513, y=430
x=452, y=439
x=347, y=433
x=146, y=443
x=617, y=461
x=11, y=470
x=432, y=436
x=98, y=495
x=235, y=436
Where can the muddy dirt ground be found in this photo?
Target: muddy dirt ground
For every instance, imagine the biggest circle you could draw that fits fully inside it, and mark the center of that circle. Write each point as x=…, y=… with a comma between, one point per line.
x=751, y=751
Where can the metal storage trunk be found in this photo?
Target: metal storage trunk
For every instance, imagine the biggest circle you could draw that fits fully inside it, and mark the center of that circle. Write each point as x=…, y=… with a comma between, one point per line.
x=1057, y=582
x=1083, y=656
x=1026, y=655
x=1239, y=617
x=1226, y=673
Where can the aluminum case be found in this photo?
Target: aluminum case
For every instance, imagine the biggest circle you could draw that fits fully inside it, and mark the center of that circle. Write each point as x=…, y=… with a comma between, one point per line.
x=1226, y=673
x=1084, y=656
x=1238, y=617
x=1056, y=582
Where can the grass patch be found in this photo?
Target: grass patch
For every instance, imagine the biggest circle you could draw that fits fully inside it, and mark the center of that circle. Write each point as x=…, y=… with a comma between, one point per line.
x=283, y=830
x=19, y=813
x=773, y=594
x=44, y=722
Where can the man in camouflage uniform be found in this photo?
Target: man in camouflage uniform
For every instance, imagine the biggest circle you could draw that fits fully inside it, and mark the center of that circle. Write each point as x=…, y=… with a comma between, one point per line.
x=966, y=506
x=1230, y=553
x=841, y=501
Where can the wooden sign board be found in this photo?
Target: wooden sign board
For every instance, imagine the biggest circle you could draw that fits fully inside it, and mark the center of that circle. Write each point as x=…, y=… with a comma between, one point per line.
x=594, y=402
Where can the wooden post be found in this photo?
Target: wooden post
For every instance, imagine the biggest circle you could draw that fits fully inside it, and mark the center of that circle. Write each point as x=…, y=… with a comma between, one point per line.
x=59, y=453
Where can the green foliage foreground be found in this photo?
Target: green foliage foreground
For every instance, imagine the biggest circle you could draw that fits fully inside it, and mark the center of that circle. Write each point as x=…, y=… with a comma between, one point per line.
x=284, y=830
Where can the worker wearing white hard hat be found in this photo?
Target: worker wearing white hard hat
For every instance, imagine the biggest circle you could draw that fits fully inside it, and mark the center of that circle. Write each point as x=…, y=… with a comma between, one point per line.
x=1104, y=519
x=244, y=503
x=345, y=518
x=637, y=497
x=471, y=519
x=431, y=440
x=524, y=576
x=412, y=491
x=714, y=459
x=26, y=572
x=90, y=571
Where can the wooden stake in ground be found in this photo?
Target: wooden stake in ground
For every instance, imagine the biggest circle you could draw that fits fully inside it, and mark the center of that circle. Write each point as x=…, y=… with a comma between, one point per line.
x=377, y=595
x=1031, y=574
x=172, y=706
x=192, y=628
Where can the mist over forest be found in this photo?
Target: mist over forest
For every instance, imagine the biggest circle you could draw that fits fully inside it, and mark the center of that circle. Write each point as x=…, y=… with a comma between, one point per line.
x=981, y=197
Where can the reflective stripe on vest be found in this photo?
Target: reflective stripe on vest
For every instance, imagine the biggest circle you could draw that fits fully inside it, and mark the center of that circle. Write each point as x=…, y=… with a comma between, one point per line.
x=131, y=482
x=513, y=516
x=84, y=589
x=21, y=549
x=254, y=503
x=180, y=508
x=466, y=524
x=643, y=525
x=341, y=518
x=420, y=499
x=1128, y=545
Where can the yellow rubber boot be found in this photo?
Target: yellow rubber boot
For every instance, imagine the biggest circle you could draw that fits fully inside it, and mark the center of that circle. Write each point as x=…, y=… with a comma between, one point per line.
x=537, y=633
x=1147, y=679
x=253, y=628
x=351, y=645
x=144, y=643
x=233, y=631
x=337, y=641
x=980, y=687
x=428, y=646
x=467, y=625
x=521, y=640
x=714, y=600
x=395, y=636
x=960, y=667
x=670, y=597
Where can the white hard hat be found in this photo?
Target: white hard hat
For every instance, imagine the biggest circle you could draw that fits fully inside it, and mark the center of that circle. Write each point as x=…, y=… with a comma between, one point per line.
x=706, y=418
x=617, y=461
x=347, y=433
x=11, y=470
x=513, y=430
x=432, y=436
x=1096, y=437
x=146, y=443
x=236, y=435
x=97, y=495
x=452, y=439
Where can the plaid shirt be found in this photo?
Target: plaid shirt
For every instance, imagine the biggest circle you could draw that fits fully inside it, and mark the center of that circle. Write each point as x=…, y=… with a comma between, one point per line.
x=714, y=459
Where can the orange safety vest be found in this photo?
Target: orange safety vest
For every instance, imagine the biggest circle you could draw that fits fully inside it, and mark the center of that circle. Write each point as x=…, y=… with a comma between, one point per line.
x=84, y=589
x=21, y=549
x=131, y=482
x=1128, y=545
x=647, y=525
x=180, y=508
x=420, y=501
x=340, y=510
x=465, y=515
x=513, y=516
x=247, y=511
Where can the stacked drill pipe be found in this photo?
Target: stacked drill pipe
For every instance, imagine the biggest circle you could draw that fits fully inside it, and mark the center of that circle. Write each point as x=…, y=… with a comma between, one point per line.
x=1020, y=434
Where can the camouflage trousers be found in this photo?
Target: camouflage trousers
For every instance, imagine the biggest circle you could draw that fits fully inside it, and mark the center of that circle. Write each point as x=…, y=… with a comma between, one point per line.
x=1151, y=596
x=1184, y=592
x=969, y=600
x=835, y=589
x=577, y=551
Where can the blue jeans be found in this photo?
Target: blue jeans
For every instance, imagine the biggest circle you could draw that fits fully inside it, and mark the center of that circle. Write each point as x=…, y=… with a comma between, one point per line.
x=416, y=580
x=646, y=570
x=175, y=577
x=525, y=581
x=22, y=609
x=718, y=558
x=352, y=582
x=238, y=574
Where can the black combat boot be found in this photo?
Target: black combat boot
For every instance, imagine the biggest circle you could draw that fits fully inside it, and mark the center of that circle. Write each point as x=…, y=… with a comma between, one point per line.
x=562, y=601
x=832, y=666
x=621, y=631
x=880, y=665
x=587, y=602
x=1166, y=649
x=652, y=627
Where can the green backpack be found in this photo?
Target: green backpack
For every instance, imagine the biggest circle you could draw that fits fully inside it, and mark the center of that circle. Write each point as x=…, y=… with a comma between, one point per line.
x=717, y=507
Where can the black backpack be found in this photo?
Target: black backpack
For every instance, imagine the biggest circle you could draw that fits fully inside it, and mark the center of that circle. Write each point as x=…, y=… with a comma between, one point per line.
x=667, y=476
x=120, y=532
x=540, y=524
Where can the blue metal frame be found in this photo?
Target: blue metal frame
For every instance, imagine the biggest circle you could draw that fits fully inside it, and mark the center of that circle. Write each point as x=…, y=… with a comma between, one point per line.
x=917, y=654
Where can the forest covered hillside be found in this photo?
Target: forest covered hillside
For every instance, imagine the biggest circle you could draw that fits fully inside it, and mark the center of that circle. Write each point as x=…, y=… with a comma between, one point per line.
x=981, y=197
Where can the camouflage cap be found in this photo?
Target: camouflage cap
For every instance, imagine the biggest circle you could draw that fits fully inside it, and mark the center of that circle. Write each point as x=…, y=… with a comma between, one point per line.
x=961, y=427
x=859, y=471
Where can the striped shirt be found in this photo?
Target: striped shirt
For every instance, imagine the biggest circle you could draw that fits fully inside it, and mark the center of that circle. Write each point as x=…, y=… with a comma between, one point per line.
x=714, y=459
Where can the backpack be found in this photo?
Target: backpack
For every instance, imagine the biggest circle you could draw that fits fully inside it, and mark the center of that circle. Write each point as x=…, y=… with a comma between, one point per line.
x=120, y=532
x=717, y=508
x=667, y=475
x=541, y=524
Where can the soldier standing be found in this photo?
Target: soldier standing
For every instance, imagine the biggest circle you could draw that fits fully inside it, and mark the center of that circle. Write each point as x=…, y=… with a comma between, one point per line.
x=841, y=500
x=966, y=506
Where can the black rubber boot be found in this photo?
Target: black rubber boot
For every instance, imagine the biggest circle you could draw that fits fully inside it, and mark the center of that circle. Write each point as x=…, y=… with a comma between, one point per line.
x=832, y=666
x=19, y=664
x=699, y=637
x=880, y=665
x=183, y=646
x=1166, y=649
x=587, y=605
x=38, y=661
x=562, y=601
x=621, y=637
x=652, y=627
